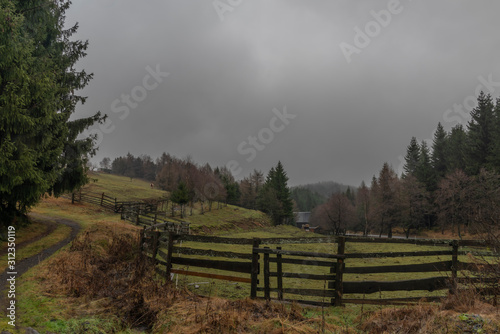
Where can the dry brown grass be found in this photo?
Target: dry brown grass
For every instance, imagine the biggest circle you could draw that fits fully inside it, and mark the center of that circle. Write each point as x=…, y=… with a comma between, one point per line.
x=103, y=273
x=462, y=313
x=104, y=269
x=194, y=315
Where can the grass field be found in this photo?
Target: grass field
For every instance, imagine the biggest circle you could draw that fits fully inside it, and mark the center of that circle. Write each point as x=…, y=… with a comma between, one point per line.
x=47, y=310
x=123, y=188
x=242, y=290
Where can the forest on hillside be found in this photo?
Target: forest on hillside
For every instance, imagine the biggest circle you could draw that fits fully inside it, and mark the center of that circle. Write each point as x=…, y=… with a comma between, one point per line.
x=453, y=184
x=309, y=196
x=189, y=183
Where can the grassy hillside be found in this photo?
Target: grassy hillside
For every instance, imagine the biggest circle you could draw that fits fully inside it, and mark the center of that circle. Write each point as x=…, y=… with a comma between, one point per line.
x=220, y=219
x=100, y=285
x=123, y=188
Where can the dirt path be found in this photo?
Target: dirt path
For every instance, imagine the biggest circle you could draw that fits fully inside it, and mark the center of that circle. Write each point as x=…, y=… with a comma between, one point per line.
x=24, y=265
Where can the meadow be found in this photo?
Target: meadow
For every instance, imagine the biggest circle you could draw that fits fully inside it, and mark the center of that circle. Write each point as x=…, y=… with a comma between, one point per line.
x=57, y=308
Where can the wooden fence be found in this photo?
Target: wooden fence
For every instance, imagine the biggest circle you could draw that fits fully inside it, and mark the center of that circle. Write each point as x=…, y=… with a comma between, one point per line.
x=137, y=212
x=95, y=198
x=336, y=291
x=101, y=199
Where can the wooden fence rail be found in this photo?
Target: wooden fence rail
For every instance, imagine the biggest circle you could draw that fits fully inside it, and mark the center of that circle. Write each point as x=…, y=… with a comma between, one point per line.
x=137, y=212
x=273, y=280
x=152, y=241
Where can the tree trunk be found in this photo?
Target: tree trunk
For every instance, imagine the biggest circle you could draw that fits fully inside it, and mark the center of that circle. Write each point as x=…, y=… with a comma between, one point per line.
x=365, y=232
x=407, y=232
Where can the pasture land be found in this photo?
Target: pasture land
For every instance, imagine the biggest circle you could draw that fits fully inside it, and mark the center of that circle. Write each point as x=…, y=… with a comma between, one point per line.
x=224, y=289
x=45, y=308
x=123, y=188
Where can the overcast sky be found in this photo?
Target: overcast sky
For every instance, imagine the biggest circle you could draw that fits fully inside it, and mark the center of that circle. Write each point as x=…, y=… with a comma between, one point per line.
x=333, y=89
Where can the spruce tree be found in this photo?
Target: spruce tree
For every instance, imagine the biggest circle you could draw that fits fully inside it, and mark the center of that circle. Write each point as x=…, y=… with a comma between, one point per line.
x=283, y=192
x=180, y=196
x=350, y=195
x=386, y=198
x=439, y=152
x=456, y=149
x=480, y=134
x=425, y=173
x=494, y=156
x=412, y=158
x=39, y=150
x=275, y=197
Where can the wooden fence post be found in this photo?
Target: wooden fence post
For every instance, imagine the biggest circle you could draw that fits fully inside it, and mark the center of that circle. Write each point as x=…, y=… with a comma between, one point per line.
x=170, y=249
x=102, y=198
x=156, y=239
x=73, y=198
x=267, y=285
x=255, y=269
x=279, y=269
x=80, y=199
x=454, y=266
x=339, y=273
x=141, y=239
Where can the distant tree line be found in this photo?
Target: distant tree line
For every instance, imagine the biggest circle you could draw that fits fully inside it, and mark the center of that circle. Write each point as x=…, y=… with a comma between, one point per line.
x=309, y=196
x=453, y=184
x=189, y=183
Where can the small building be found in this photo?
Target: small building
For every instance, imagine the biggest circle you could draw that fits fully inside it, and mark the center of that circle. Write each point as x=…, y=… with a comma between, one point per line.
x=302, y=219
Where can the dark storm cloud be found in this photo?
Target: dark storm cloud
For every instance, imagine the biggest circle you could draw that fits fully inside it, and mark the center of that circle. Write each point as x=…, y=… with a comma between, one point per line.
x=226, y=77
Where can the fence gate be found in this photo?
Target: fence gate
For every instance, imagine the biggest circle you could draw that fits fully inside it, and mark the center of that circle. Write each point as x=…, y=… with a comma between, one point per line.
x=324, y=286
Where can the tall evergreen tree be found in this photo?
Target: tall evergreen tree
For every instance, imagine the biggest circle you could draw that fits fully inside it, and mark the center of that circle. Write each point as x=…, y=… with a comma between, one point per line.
x=350, y=194
x=456, y=149
x=232, y=187
x=385, y=202
x=412, y=158
x=480, y=134
x=439, y=152
x=39, y=149
x=180, y=196
x=425, y=173
x=275, y=198
x=494, y=157
x=415, y=205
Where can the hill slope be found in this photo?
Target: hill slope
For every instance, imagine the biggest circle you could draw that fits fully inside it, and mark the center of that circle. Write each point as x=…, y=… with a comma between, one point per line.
x=220, y=219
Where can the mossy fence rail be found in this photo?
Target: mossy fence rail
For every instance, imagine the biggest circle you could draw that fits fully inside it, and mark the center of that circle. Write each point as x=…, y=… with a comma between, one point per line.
x=165, y=249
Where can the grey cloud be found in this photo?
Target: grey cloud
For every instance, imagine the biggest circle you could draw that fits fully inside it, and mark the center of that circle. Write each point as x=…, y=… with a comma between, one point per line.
x=226, y=78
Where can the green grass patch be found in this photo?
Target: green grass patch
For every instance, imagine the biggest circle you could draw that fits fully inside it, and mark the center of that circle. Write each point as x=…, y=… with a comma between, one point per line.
x=233, y=290
x=59, y=234
x=28, y=232
x=85, y=214
x=56, y=314
x=123, y=188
